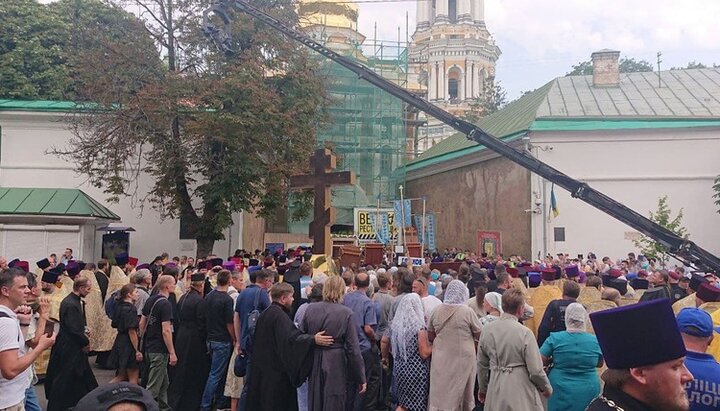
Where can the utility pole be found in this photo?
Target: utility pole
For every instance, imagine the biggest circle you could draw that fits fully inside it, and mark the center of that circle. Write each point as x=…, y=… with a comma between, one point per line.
x=659, y=54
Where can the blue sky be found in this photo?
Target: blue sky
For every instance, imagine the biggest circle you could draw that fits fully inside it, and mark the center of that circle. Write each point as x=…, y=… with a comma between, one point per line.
x=542, y=39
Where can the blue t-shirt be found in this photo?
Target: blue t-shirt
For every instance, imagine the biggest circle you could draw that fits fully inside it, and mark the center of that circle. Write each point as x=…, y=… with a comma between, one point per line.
x=245, y=304
x=364, y=313
x=704, y=390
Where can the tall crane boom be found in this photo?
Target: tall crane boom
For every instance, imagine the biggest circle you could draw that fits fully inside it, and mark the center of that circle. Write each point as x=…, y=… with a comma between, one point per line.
x=681, y=248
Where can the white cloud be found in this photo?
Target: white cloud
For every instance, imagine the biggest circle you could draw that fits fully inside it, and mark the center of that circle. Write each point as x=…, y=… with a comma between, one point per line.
x=580, y=26
x=542, y=39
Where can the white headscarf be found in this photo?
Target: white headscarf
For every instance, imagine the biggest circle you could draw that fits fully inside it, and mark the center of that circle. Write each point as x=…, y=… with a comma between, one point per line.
x=457, y=293
x=576, y=318
x=495, y=300
x=408, y=320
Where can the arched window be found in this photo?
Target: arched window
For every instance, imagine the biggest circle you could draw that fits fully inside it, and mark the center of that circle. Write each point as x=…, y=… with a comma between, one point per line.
x=452, y=89
x=454, y=83
x=452, y=11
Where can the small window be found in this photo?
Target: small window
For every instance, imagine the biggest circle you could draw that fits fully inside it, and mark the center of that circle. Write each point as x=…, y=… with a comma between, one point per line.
x=559, y=234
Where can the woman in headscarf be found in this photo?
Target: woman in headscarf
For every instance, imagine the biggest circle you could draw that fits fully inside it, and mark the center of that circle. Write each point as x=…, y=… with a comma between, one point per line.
x=411, y=352
x=574, y=355
x=492, y=304
x=453, y=330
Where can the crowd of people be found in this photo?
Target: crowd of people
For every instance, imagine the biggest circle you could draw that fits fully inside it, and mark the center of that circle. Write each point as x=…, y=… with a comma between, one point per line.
x=284, y=331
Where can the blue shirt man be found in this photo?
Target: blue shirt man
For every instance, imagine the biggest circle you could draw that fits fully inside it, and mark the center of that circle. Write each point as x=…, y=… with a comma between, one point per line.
x=703, y=391
x=245, y=304
x=365, y=314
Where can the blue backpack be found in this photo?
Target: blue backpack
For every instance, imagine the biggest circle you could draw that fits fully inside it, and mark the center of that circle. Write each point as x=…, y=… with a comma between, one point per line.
x=110, y=304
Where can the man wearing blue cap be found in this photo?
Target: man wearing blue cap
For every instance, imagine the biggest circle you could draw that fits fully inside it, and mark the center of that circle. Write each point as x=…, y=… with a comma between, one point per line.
x=645, y=355
x=696, y=327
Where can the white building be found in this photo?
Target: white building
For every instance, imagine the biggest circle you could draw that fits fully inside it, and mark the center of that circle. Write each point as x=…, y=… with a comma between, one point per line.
x=35, y=223
x=635, y=137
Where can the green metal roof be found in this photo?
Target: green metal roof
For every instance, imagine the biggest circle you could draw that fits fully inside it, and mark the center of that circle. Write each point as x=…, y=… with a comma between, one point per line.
x=66, y=202
x=516, y=117
x=37, y=105
x=687, y=98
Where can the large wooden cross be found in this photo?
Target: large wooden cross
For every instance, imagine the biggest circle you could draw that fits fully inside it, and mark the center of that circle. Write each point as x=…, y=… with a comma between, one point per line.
x=323, y=163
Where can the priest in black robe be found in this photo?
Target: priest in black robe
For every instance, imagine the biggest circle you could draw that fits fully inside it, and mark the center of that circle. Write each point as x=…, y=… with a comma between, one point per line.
x=187, y=377
x=69, y=376
x=282, y=355
x=292, y=276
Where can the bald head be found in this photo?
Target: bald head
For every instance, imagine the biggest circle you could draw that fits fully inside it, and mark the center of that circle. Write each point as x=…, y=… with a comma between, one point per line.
x=362, y=281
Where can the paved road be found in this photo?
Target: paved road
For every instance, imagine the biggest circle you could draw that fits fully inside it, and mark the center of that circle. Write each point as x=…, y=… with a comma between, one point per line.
x=103, y=377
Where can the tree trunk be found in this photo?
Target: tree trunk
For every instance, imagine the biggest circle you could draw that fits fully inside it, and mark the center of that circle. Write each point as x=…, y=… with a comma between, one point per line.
x=204, y=246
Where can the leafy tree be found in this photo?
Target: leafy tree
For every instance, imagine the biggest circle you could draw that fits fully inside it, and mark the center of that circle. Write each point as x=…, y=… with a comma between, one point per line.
x=32, y=64
x=716, y=188
x=662, y=216
x=627, y=65
x=215, y=134
x=695, y=65
x=494, y=98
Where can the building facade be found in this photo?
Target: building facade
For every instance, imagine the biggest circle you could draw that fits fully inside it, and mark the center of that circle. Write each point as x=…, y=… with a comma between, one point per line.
x=49, y=224
x=451, y=61
x=622, y=133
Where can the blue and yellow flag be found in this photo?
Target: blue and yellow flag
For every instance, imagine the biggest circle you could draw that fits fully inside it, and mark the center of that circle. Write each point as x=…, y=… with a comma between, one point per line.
x=553, y=202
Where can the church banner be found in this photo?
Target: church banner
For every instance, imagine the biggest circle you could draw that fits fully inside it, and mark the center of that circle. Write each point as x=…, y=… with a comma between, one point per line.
x=428, y=237
x=365, y=225
x=489, y=242
x=382, y=228
x=402, y=208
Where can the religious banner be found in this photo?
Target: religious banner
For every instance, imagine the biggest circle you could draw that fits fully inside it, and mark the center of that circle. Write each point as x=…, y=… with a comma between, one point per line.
x=489, y=242
x=430, y=229
x=365, y=225
x=382, y=231
x=428, y=237
x=402, y=208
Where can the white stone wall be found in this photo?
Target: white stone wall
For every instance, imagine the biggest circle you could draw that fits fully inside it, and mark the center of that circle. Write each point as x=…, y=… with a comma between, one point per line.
x=634, y=167
x=25, y=139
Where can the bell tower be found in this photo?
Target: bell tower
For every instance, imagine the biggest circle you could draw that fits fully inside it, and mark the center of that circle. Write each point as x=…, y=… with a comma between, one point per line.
x=451, y=60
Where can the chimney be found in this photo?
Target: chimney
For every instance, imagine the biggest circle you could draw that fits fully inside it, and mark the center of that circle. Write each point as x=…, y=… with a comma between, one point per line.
x=606, y=68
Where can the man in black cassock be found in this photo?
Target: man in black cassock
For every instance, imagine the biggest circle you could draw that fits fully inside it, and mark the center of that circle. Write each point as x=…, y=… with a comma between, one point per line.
x=282, y=355
x=69, y=376
x=187, y=378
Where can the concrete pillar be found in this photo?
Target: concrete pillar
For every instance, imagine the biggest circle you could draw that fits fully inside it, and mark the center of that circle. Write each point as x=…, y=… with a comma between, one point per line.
x=476, y=80
x=464, y=10
x=441, y=11
x=466, y=91
x=432, y=81
x=423, y=15
x=461, y=86
x=442, y=83
x=478, y=10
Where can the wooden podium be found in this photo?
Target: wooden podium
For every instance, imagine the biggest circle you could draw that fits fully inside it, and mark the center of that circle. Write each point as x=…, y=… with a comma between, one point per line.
x=374, y=253
x=413, y=250
x=350, y=254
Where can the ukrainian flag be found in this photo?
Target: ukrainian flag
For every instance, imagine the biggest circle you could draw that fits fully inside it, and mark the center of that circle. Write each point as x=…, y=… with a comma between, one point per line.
x=553, y=202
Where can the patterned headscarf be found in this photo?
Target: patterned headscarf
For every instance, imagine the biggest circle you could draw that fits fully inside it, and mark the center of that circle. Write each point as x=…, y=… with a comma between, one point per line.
x=408, y=320
x=495, y=300
x=457, y=293
x=576, y=318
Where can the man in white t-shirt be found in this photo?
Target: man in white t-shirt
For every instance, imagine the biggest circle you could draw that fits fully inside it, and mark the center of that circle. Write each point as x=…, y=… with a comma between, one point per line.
x=15, y=361
x=429, y=302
